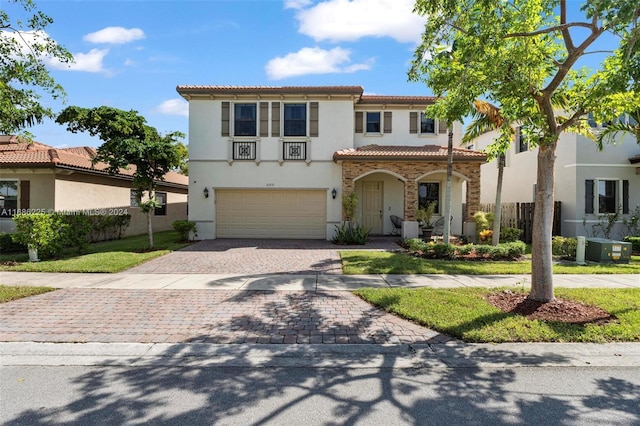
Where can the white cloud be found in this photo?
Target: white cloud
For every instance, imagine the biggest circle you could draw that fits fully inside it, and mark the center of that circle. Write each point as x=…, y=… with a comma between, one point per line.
x=88, y=62
x=115, y=35
x=296, y=4
x=313, y=60
x=350, y=20
x=173, y=107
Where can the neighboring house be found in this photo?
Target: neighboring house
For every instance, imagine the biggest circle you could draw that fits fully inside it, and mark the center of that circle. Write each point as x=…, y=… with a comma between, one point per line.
x=274, y=162
x=37, y=177
x=588, y=182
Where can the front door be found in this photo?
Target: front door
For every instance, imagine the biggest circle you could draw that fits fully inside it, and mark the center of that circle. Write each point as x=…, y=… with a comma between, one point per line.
x=372, y=206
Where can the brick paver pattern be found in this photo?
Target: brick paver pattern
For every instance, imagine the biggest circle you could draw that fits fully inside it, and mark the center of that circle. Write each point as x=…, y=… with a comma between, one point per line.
x=234, y=316
x=253, y=256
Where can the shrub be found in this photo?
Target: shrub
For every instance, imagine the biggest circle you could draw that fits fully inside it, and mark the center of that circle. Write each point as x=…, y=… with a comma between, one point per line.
x=7, y=245
x=510, y=235
x=485, y=235
x=416, y=244
x=506, y=251
x=349, y=205
x=184, y=228
x=38, y=231
x=74, y=231
x=635, y=243
x=108, y=227
x=564, y=246
x=484, y=221
x=350, y=233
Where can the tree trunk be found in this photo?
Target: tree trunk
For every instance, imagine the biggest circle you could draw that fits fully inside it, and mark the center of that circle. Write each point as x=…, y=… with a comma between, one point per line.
x=447, y=195
x=541, y=262
x=497, y=213
x=149, y=224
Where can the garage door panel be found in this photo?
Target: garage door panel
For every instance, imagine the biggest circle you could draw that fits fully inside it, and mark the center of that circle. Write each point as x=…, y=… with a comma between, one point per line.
x=271, y=214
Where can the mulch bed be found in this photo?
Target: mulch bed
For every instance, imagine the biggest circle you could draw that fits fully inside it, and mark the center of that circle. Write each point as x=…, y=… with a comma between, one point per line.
x=560, y=310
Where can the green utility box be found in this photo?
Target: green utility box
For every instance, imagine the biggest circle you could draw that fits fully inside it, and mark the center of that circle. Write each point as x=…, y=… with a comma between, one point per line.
x=602, y=250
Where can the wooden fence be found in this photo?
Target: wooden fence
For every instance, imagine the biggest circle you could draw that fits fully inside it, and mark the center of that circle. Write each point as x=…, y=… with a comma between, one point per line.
x=520, y=215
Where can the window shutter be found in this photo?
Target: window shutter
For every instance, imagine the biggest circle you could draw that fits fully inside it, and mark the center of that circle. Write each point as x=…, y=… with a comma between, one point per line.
x=413, y=122
x=275, y=119
x=625, y=197
x=359, y=121
x=25, y=194
x=588, y=196
x=442, y=126
x=264, y=119
x=387, y=122
x=225, y=119
x=313, y=119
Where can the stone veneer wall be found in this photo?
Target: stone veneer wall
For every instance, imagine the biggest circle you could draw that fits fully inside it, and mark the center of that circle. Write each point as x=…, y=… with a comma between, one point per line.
x=411, y=171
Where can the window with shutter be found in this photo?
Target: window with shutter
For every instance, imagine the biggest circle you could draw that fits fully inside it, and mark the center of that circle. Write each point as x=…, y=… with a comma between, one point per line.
x=588, y=196
x=625, y=197
x=275, y=119
x=413, y=122
x=264, y=119
x=442, y=126
x=313, y=120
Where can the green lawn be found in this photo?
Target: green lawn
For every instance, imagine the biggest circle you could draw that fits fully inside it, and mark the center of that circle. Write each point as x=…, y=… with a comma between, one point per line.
x=108, y=256
x=376, y=262
x=9, y=293
x=465, y=314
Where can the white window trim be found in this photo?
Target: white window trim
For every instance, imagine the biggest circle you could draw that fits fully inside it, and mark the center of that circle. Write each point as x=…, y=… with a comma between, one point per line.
x=436, y=127
x=18, y=194
x=619, y=195
x=374, y=134
x=232, y=120
x=307, y=121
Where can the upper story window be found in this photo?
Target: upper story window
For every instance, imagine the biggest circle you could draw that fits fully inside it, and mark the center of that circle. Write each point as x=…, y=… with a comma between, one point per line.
x=373, y=122
x=244, y=120
x=522, y=145
x=427, y=125
x=295, y=120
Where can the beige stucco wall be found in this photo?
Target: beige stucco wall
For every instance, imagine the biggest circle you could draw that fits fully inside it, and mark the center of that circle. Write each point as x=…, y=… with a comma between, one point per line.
x=42, y=191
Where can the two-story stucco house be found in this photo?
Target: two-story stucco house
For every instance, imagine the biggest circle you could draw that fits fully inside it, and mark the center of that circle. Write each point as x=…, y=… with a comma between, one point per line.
x=588, y=182
x=274, y=162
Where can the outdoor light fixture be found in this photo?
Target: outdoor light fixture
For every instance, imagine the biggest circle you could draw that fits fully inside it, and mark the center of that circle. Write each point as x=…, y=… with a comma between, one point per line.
x=206, y=192
x=334, y=193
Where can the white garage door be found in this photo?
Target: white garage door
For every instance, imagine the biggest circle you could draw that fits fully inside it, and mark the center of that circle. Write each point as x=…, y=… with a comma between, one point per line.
x=271, y=214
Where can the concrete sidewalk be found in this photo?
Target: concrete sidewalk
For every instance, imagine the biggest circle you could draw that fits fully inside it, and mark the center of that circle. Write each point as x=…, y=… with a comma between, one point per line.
x=295, y=282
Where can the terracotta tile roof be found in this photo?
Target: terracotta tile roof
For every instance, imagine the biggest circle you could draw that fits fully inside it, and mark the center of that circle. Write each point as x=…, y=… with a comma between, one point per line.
x=397, y=100
x=37, y=154
x=273, y=90
x=392, y=152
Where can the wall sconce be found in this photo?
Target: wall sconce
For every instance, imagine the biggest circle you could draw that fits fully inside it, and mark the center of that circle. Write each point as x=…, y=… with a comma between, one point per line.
x=206, y=192
x=334, y=193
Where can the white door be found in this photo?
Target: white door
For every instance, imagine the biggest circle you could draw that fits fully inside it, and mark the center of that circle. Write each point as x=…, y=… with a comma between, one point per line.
x=262, y=213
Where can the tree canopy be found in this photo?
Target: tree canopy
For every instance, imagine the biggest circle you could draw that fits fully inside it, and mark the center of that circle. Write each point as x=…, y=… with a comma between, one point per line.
x=128, y=141
x=24, y=46
x=524, y=57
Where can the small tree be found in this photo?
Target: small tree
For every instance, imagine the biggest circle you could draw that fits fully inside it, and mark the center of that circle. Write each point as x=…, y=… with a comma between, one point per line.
x=349, y=205
x=128, y=141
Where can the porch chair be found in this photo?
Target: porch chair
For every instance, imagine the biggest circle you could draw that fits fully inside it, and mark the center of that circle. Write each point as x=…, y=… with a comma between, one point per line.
x=438, y=227
x=397, y=225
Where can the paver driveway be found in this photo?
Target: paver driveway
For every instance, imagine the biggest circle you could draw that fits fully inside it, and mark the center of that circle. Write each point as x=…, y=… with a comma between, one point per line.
x=253, y=256
x=208, y=316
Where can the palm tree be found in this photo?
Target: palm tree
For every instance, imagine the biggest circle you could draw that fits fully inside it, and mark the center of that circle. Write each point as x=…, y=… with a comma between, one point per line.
x=486, y=118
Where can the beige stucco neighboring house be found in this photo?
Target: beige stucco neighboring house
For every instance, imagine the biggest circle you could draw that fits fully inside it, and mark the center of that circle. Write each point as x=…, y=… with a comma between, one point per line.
x=588, y=183
x=39, y=178
x=274, y=162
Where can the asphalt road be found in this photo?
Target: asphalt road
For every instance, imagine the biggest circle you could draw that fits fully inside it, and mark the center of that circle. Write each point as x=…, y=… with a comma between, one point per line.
x=206, y=394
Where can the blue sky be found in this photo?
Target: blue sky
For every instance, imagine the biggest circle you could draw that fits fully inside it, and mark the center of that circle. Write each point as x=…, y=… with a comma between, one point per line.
x=132, y=54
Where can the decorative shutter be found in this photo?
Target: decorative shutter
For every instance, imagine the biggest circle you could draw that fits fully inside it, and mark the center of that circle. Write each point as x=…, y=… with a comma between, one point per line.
x=413, y=122
x=264, y=119
x=442, y=126
x=588, y=196
x=625, y=197
x=359, y=121
x=25, y=194
x=225, y=119
x=313, y=119
x=275, y=119
x=387, y=122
